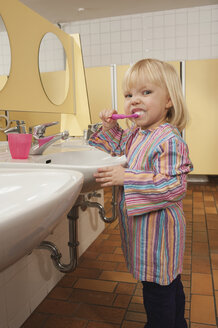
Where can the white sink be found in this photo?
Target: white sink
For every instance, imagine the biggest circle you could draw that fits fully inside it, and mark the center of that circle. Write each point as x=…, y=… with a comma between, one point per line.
x=33, y=201
x=86, y=161
x=73, y=154
x=72, y=143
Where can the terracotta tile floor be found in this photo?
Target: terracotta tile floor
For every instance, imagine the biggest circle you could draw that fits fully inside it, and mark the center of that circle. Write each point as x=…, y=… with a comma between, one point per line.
x=102, y=294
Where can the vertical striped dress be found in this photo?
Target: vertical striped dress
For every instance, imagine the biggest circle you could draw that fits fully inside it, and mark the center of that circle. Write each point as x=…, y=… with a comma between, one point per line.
x=151, y=218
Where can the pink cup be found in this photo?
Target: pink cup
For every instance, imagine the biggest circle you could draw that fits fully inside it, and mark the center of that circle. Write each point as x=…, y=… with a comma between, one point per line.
x=19, y=145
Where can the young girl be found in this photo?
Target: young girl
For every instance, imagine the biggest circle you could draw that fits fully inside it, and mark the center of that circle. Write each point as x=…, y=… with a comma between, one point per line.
x=152, y=185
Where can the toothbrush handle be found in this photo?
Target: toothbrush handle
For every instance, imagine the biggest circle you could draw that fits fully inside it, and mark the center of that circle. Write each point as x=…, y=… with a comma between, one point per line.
x=117, y=116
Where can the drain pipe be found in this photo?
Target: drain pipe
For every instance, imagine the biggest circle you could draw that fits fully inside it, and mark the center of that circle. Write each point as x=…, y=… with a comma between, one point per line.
x=86, y=203
x=72, y=216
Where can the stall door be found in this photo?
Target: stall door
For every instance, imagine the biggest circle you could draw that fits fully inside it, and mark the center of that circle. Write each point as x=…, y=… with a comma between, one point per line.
x=98, y=81
x=202, y=102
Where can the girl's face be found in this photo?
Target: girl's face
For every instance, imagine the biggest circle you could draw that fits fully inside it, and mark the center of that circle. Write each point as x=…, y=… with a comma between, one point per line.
x=150, y=101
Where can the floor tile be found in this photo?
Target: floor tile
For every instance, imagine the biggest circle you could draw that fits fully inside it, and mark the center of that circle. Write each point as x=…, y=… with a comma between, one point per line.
x=201, y=284
x=201, y=264
x=90, y=263
x=212, y=223
x=136, y=316
x=122, y=267
x=202, y=309
x=215, y=279
x=211, y=210
x=200, y=236
x=111, y=257
x=100, y=313
x=36, y=320
x=197, y=325
x=132, y=324
x=214, y=260
x=64, y=322
x=122, y=301
x=95, y=324
x=200, y=249
x=199, y=226
x=137, y=299
x=214, y=245
x=136, y=307
x=118, y=250
x=198, y=218
x=67, y=281
x=92, y=297
x=125, y=288
x=92, y=284
x=198, y=211
x=117, y=276
x=60, y=293
x=216, y=299
x=212, y=234
x=51, y=306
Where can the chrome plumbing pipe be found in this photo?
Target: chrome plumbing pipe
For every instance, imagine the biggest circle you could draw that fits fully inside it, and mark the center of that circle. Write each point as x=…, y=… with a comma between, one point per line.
x=85, y=203
x=72, y=244
x=72, y=216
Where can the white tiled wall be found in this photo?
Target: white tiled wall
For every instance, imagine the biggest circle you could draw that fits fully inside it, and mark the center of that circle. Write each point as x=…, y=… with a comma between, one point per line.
x=180, y=34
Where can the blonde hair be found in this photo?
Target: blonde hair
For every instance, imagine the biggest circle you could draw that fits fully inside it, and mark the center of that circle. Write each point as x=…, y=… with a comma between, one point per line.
x=162, y=74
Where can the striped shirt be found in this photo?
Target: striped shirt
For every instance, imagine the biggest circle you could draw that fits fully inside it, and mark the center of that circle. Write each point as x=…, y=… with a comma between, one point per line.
x=151, y=218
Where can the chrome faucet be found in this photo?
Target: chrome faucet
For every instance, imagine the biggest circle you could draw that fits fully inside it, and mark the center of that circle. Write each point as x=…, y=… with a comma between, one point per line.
x=19, y=128
x=43, y=142
x=92, y=128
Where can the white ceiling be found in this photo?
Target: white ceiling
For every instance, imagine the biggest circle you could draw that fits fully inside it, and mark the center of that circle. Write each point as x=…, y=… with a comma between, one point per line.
x=60, y=11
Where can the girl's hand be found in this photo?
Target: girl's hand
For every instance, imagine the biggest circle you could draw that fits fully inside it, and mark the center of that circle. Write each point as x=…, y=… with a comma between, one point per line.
x=107, y=122
x=110, y=176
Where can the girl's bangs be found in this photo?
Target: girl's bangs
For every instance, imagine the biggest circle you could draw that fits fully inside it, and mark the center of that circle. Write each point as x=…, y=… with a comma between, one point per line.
x=139, y=73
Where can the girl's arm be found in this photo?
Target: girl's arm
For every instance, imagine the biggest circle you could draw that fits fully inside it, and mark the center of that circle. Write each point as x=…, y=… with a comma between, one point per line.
x=147, y=191
x=109, y=137
x=111, y=141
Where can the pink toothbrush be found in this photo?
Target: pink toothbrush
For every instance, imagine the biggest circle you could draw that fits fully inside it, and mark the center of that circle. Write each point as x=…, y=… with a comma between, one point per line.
x=118, y=116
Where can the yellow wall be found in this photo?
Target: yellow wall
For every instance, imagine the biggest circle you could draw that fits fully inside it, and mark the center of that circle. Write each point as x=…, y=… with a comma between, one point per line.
x=31, y=119
x=121, y=70
x=75, y=124
x=3, y=80
x=55, y=85
x=99, y=90
x=202, y=101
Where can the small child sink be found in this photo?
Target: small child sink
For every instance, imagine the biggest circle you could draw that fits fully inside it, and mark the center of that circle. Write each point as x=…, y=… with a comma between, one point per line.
x=33, y=201
x=86, y=161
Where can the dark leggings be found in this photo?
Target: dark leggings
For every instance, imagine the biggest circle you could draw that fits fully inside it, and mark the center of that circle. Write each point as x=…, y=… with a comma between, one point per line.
x=164, y=305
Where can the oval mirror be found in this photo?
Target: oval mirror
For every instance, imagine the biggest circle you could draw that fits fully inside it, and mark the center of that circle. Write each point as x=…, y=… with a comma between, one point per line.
x=5, y=55
x=53, y=68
